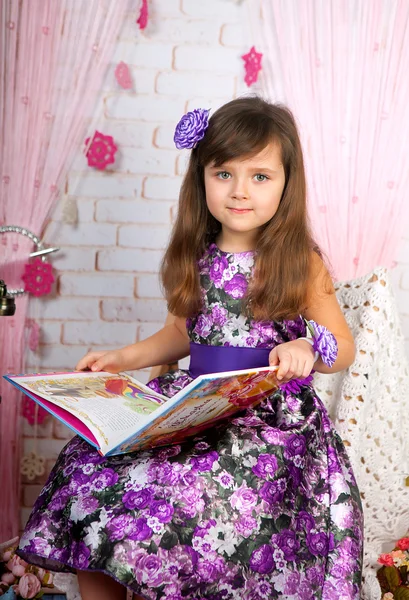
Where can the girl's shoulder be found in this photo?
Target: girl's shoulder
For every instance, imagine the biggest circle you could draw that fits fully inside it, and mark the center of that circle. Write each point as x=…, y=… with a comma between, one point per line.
x=319, y=279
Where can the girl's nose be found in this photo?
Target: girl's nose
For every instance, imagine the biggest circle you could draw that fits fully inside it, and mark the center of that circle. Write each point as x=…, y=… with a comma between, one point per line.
x=240, y=191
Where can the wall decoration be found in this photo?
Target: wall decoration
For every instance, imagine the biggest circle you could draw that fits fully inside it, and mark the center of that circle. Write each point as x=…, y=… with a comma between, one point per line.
x=38, y=277
x=32, y=465
x=143, y=15
x=123, y=76
x=252, y=65
x=100, y=151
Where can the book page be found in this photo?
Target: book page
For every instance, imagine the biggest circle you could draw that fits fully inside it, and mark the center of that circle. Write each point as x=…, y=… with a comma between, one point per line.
x=111, y=406
x=207, y=400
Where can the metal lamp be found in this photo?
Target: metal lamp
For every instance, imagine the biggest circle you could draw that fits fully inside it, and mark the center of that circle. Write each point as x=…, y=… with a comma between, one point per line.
x=7, y=302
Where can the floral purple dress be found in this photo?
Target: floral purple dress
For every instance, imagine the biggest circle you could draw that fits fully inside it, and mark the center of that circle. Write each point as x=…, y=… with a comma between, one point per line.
x=260, y=507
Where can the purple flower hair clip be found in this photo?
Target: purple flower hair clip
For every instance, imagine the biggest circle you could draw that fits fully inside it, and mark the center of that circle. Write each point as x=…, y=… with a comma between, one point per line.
x=324, y=342
x=191, y=128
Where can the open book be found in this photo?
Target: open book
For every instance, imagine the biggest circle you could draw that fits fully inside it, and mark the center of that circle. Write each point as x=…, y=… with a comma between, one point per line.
x=118, y=414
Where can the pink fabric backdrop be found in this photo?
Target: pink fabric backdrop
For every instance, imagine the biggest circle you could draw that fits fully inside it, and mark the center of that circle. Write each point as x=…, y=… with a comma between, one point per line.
x=342, y=67
x=53, y=57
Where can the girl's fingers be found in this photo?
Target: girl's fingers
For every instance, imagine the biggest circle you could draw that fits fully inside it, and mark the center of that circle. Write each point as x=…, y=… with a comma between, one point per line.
x=307, y=369
x=285, y=366
x=87, y=361
x=273, y=358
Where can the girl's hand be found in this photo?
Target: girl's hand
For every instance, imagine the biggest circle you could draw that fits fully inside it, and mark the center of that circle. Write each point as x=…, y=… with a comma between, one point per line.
x=295, y=360
x=112, y=361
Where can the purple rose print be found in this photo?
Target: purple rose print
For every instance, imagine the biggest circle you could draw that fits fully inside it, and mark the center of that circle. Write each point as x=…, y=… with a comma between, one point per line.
x=154, y=385
x=295, y=385
x=206, y=570
x=295, y=475
x=317, y=543
x=273, y=491
x=106, y=478
x=219, y=314
x=263, y=330
x=61, y=497
x=204, y=462
x=294, y=445
x=304, y=521
x=287, y=541
x=333, y=462
x=137, y=500
x=38, y=545
x=266, y=466
x=188, y=478
x=149, y=569
x=61, y=554
x=246, y=525
x=161, y=510
x=166, y=475
x=87, y=505
x=164, y=453
x=191, y=128
x=219, y=266
x=262, y=560
x=237, y=286
x=315, y=576
x=203, y=325
x=185, y=557
x=202, y=529
x=243, y=499
x=141, y=530
x=127, y=526
x=80, y=481
x=81, y=555
x=292, y=584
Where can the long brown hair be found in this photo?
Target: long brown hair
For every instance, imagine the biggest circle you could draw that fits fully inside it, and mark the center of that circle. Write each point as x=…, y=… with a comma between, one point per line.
x=242, y=128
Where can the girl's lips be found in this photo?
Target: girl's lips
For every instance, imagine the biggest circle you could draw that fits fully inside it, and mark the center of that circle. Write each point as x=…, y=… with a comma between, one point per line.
x=240, y=211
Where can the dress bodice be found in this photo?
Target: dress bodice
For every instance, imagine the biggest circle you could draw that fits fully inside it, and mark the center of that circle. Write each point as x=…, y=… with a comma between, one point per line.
x=224, y=278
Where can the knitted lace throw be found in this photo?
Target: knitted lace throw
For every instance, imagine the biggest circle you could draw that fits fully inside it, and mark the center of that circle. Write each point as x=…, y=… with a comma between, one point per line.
x=369, y=405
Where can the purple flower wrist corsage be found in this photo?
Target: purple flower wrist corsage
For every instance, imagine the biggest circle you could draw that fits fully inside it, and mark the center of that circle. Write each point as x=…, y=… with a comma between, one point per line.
x=324, y=342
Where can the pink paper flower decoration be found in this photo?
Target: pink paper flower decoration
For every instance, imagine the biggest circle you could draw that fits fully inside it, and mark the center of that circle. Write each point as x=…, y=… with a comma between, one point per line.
x=101, y=150
x=252, y=65
x=123, y=76
x=143, y=15
x=29, y=411
x=38, y=277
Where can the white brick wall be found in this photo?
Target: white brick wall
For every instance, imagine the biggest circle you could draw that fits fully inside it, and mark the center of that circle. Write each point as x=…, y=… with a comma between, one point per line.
x=107, y=293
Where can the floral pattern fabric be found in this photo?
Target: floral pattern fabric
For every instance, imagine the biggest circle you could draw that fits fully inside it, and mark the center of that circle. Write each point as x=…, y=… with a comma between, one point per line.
x=262, y=506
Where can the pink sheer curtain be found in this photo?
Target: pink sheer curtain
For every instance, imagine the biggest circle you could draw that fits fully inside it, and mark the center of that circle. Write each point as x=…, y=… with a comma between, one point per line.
x=53, y=56
x=342, y=68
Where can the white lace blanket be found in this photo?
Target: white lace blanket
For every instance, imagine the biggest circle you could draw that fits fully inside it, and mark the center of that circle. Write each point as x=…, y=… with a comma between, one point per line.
x=369, y=405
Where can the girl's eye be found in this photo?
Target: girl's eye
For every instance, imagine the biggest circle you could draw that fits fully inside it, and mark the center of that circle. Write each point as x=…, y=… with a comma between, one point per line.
x=260, y=177
x=223, y=175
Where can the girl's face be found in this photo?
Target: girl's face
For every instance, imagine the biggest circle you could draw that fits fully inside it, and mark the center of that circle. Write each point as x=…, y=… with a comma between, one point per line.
x=243, y=195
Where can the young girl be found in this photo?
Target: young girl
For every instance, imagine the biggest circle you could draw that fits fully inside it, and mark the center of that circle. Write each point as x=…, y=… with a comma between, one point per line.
x=262, y=506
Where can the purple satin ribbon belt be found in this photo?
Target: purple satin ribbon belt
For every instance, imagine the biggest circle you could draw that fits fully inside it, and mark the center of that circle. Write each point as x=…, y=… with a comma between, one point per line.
x=216, y=359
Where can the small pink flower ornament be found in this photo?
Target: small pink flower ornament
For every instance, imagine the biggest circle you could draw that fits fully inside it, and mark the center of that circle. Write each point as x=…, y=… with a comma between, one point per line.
x=252, y=65
x=123, y=76
x=101, y=150
x=143, y=15
x=38, y=277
